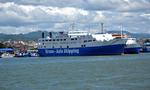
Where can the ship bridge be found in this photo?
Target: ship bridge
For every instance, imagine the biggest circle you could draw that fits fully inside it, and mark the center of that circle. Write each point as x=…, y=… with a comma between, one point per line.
x=78, y=33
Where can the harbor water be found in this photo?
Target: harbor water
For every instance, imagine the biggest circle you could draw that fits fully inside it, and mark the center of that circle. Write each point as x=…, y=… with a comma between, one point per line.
x=120, y=72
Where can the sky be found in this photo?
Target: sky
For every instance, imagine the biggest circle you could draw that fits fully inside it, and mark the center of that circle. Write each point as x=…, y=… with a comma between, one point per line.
x=23, y=16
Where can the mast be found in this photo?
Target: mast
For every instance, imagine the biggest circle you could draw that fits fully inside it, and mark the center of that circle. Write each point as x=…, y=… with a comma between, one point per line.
x=73, y=26
x=121, y=31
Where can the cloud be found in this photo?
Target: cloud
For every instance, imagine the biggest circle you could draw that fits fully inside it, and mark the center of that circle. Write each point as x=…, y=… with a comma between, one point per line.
x=146, y=15
x=60, y=14
x=121, y=5
x=44, y=17
x=12, y=14
x=135, y=5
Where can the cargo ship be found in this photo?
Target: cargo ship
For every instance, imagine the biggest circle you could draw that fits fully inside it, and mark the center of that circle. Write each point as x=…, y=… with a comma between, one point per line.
x=80, y=43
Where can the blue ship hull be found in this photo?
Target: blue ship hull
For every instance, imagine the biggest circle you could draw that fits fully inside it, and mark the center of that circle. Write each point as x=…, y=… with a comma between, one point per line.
x=146, y=49
x=86, y=51
x=133, y=50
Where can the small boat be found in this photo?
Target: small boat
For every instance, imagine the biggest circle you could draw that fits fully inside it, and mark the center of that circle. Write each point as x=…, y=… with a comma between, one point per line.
x=132, y=47
x=21, y=55
x=33, y=55
x=27, y=54
x=7, y=55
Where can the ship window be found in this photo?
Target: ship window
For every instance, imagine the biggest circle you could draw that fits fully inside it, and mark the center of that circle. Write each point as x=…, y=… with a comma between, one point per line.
x=43, y=43
x=43, y=40
x=60, y=39
x=72, y=38
x=50, y=40
x=85, y=40
x=67, y=46
x=60, y=46
x=83, y=45
x=53, y=47
x=46, y=40
x=57, y=39
x=75, y=38
x=44, y=46
x=53, y=39
x=89, y=40
x=64, y=39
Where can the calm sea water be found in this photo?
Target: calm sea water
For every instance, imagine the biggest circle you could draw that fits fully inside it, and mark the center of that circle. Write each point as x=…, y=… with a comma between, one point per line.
x=125, y=72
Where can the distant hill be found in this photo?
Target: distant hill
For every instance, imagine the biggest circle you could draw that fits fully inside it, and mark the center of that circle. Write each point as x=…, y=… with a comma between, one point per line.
x=25, y=37
x=35, y=35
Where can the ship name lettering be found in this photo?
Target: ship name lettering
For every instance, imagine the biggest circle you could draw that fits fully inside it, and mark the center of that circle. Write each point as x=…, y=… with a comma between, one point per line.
x=49, y=51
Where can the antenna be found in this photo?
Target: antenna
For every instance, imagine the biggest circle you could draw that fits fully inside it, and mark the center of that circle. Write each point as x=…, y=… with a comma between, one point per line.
x=102, y=27
x=72, y=26
x=89, y=28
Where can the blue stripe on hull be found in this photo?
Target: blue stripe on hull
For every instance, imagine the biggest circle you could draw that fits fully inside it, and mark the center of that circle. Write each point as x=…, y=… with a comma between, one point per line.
x=87, y=51
x=134, y=50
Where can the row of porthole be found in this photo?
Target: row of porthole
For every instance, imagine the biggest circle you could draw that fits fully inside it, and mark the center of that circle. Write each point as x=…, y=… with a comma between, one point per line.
x=55, y=40
x=66, y=47
x=89, y=40
x=65, y=40
x=59, y=39
x=52, y=47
